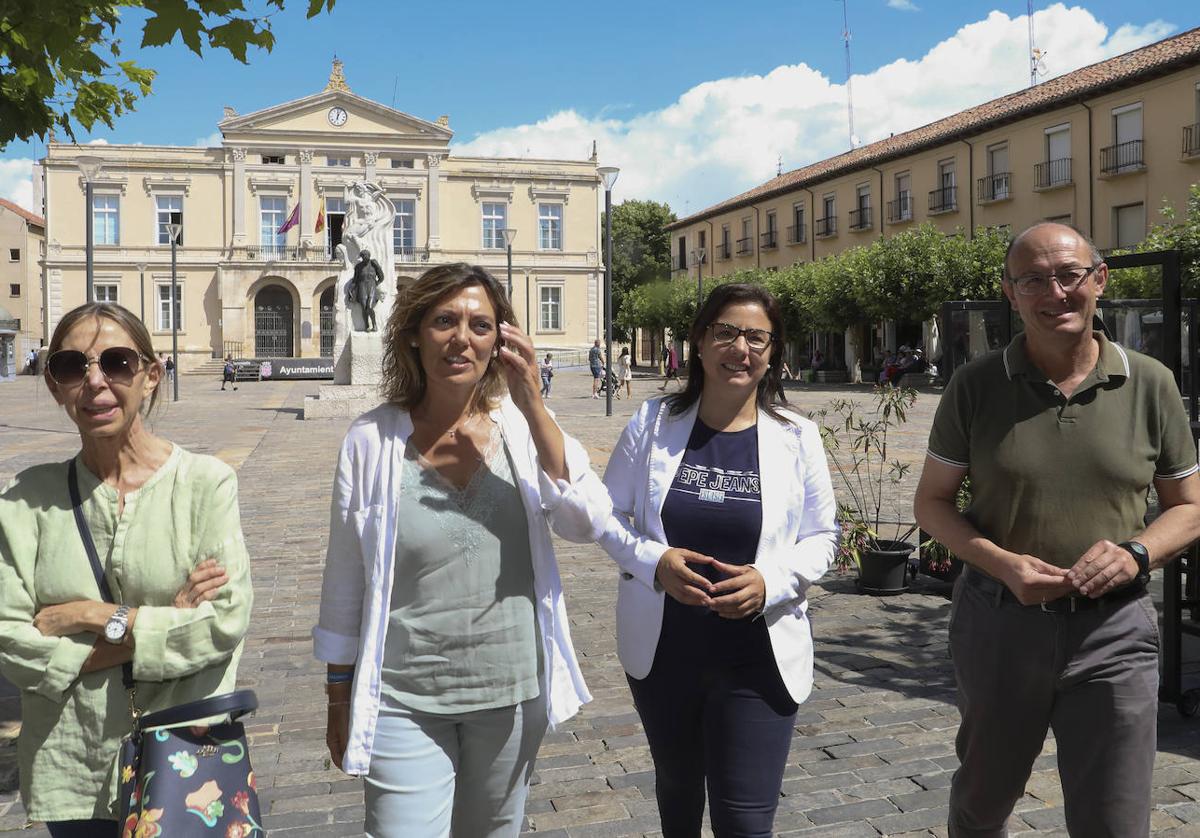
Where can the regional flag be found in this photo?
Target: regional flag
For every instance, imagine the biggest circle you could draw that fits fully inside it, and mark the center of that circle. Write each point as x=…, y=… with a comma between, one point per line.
x=320, y=220
x=291, y=222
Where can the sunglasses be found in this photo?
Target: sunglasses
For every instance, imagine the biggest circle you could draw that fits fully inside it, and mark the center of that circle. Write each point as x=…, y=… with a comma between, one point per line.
x=118, y=364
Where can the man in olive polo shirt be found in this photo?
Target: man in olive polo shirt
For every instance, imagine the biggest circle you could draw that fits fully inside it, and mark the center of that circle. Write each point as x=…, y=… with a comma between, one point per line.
x=1062, y=434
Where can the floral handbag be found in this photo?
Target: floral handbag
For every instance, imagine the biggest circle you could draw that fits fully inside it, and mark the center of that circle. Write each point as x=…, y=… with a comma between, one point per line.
x=175, y=782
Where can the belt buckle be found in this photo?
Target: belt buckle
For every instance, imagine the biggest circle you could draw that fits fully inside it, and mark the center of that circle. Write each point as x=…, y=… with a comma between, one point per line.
x=1071, y=599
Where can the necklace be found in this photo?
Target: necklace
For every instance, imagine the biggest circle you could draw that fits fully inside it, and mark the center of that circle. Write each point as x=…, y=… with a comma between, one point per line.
x=453, y=432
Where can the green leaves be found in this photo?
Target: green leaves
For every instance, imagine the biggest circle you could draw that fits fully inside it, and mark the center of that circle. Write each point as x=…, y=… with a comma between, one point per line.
x=59, y=64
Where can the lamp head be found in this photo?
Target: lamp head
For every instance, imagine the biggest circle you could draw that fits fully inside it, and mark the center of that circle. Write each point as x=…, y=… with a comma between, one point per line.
x=609, y=175
x=510, y=233
x=90, y=167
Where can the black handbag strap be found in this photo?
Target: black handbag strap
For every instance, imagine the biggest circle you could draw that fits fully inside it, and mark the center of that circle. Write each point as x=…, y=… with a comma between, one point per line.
x=234, y=704
x=89, y=546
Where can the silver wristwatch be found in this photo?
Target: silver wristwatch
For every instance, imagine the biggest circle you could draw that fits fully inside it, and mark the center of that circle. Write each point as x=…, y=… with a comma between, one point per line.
x=117, y=626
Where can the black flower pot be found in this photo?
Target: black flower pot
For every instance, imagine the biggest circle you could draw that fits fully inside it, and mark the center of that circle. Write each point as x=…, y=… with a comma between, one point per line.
x=883, y=568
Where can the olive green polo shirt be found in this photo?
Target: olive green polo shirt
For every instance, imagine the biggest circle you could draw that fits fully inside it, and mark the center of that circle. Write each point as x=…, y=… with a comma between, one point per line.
x=1051, y=475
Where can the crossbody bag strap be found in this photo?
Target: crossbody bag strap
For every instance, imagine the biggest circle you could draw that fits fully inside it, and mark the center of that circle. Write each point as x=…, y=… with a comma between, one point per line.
x=89, y=546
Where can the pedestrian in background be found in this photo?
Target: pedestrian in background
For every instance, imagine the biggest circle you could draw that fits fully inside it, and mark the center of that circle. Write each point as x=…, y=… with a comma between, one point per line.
x=625, y=373
x=1062, y=434
x=166, y=522
x=442, y=617
x=229, y=373
x=723, y=515
x=547, y=372
x=596, y=364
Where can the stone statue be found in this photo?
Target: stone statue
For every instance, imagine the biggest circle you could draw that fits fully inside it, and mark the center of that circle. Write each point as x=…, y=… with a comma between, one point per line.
x=367, y=230
x=364, y=288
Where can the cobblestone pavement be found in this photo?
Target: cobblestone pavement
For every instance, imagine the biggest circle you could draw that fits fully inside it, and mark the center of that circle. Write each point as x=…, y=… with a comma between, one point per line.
x=873, y=749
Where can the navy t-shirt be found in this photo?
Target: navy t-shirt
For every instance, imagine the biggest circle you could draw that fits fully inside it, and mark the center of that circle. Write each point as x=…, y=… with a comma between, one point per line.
x=714, y=507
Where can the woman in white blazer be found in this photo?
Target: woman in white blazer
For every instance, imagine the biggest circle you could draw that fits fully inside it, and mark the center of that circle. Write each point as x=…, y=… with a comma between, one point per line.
x=723, y=515
x=442, y=619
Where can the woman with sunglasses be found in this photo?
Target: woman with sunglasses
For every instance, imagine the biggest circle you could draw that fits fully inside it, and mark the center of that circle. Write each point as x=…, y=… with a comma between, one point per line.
x=723, y=515
x=166, y=529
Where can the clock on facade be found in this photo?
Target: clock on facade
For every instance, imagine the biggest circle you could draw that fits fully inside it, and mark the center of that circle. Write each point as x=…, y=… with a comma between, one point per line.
x=337, y=116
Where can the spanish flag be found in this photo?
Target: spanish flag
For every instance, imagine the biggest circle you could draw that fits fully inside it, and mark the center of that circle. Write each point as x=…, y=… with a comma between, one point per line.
x=320, y=220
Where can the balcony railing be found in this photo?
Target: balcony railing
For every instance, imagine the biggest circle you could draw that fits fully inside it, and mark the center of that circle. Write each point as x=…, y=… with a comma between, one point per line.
x=944, y=199
x=407, y=253
x=768, y=240
x=825, y=227
x=795, y=234
x=280, y=253
x=1122, y=157
x=1052, y=173
x=723, y=250
x=744, y=246
x=900, y=209
x=1191, y=140
x=860, y=219
x=995, y=187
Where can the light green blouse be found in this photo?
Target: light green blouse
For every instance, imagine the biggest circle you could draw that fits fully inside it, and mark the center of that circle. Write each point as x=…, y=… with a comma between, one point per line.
x=71, y=724
x=462, y=635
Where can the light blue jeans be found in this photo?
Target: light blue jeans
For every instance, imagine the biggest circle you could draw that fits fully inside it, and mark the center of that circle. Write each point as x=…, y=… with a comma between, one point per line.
x=461, y=774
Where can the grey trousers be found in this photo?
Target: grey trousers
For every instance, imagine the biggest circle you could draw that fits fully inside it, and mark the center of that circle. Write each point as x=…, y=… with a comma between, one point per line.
x=1091, y=676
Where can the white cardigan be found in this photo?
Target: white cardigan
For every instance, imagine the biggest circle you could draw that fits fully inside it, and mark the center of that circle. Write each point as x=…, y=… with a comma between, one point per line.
x=796, y=545
x=359, y=567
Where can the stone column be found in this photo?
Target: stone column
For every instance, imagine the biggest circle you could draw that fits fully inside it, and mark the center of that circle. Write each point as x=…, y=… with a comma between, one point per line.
x=239, y=196
x=370, y=158
x=434, y=162
x=307, y=219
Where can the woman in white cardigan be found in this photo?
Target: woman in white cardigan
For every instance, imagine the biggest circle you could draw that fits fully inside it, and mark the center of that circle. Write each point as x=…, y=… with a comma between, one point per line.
x=442, y=619
x=723, y=515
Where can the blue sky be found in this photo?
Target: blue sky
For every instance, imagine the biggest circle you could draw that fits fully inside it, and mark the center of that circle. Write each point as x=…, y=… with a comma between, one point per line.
x=694, y=101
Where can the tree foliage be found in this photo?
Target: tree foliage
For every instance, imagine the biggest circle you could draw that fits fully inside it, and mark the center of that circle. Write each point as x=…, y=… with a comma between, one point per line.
x=1174, y=233
x=641, y=250
x=60, y=60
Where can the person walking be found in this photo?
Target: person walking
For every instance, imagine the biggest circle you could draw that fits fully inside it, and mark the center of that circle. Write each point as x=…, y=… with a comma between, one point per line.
x=229, y=373
x=596, y=363
x=442, y=619
x=672, y=367
x=169, y=366
x=723, y=515
x=624, y=373
x=166, y=522
x=546, y=368
x=1063, y=433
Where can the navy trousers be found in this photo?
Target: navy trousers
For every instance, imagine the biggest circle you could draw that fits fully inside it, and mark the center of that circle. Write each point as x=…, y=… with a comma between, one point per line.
x=717, y=715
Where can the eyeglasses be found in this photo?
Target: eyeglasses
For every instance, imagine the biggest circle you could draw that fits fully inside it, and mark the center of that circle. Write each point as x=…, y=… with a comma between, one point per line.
x=118, y=364
x=756, y=339
x=1068, y=279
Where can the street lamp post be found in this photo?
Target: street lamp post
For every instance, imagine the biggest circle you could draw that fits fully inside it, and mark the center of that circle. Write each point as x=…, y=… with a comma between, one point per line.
x=609, y=175
x=510, y=233
x=90, y=167
x=142, y=287
x=698, y=255
x=173, y=230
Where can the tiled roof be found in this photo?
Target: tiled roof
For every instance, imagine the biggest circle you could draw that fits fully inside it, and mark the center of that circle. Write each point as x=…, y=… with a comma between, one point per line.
x=24, y=213
x=1126, y=70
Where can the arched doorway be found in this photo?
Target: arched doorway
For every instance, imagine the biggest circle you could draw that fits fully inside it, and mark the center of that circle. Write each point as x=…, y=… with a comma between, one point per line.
x=274, y=318
x=326, y=306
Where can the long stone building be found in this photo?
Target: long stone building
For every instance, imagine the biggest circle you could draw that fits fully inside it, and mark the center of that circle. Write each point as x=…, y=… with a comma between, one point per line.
x=249, y=291
x=22, y=239
x=1103, y=148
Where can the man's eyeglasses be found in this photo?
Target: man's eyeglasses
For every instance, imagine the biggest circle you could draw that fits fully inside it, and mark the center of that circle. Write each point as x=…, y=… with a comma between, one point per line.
x=1068, y=279
x=119, y=364
x=756, y=339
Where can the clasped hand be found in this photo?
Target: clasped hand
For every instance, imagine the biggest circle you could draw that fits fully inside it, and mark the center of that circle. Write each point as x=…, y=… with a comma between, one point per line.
x=1102, y=569
x=741, y=594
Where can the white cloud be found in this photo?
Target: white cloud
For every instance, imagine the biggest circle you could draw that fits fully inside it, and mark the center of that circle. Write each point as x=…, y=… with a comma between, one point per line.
x=903, y=5
x=98, y=141
x=724, y=136
x=16, y=181
x=213, y=140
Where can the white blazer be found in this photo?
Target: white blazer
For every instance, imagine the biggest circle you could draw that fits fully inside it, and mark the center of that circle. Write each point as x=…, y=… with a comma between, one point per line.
x=795, y=547
x=359, y=567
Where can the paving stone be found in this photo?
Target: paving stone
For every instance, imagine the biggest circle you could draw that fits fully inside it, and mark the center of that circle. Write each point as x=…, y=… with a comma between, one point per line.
x=860, y=810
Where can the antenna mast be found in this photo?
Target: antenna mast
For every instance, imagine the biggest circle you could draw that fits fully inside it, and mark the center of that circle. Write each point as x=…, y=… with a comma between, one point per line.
x=1036, y=65
x=849, y=92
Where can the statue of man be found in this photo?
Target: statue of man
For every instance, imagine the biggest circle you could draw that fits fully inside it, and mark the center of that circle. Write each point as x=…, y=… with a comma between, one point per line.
x=364, y=289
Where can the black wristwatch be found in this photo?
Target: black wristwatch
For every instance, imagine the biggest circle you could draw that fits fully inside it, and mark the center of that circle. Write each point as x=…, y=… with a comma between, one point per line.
x=1142, y=556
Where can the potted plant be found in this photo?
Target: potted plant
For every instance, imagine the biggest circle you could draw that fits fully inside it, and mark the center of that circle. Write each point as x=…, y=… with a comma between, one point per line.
x=874, y=532
x=936, y=560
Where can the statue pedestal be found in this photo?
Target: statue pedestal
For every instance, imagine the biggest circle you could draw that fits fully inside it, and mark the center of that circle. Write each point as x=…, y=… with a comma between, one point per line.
x=360, y=361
